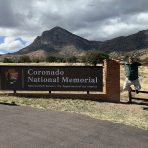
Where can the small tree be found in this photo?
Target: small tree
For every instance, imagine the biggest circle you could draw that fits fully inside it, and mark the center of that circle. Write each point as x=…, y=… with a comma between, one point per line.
x=94, y=57
x=60, y=59
x=82, y=59
x=24, y=59
x=8, y=60
x=72, y=59
x=51, y=59
x=36, y=60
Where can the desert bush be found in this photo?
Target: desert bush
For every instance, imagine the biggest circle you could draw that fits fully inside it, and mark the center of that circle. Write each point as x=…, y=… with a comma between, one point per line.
x=72, y=59
x=8, y=60
x=94, y=57
x=36, y=60
x=24, y=59
x=60, y=60
x=51, y=59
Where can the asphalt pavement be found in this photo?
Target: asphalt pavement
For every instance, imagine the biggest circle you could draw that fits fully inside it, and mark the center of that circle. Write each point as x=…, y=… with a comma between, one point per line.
x=26, y=127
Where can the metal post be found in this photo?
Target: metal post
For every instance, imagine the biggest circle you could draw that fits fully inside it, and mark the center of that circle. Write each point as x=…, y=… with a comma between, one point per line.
x=14, y=91
x=130, y=96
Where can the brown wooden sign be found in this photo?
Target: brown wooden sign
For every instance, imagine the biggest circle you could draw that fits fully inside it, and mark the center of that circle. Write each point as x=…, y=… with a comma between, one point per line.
x=51, y=78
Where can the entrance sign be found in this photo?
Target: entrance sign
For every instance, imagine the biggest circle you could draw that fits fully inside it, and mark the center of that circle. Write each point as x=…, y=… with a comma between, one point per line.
x=52, y=78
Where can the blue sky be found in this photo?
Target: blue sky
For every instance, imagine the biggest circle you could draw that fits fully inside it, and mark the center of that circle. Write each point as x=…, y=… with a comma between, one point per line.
x=11, y=44
x=21, y=21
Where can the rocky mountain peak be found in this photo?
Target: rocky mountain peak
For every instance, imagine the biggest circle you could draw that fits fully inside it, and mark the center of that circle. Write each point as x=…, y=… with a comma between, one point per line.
x=56, y=35
x=58, y=39
x=54, y=31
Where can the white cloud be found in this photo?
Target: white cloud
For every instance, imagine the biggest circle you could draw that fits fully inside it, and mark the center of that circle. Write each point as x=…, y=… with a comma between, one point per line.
x=91, y=19
x=11, y=44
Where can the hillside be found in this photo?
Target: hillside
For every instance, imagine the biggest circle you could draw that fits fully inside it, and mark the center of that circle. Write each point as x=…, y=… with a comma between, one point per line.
x=60, y=42
x=57, y=39
x=127, y=43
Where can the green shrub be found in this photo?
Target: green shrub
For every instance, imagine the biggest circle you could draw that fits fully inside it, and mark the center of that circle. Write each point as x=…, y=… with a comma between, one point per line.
x=8, y=60
x=72, y=59
x=24, y=59
x=51, y=59
x=94, y=57
x=36, y=60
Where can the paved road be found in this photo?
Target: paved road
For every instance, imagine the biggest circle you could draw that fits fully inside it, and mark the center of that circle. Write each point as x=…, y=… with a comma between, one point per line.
x=25, y=127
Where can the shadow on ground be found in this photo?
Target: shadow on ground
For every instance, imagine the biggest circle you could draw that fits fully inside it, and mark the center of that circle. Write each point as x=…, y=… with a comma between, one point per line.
x=9, y=104
x=145, y=108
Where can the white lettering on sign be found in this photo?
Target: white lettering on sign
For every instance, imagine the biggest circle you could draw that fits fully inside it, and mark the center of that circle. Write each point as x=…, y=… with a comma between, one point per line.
x=79, y=80
x=43, y=79
x=57, y=72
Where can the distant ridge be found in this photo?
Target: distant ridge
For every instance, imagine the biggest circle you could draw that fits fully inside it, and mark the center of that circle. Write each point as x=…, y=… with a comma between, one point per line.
x=58, y=38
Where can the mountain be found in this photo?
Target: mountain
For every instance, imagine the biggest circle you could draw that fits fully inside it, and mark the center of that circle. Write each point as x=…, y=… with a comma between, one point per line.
x=56, y=40
x=59, y=41
x=127, y=43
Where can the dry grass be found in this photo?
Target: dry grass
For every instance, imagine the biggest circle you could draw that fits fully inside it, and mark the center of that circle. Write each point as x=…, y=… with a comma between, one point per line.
x=130, y=114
